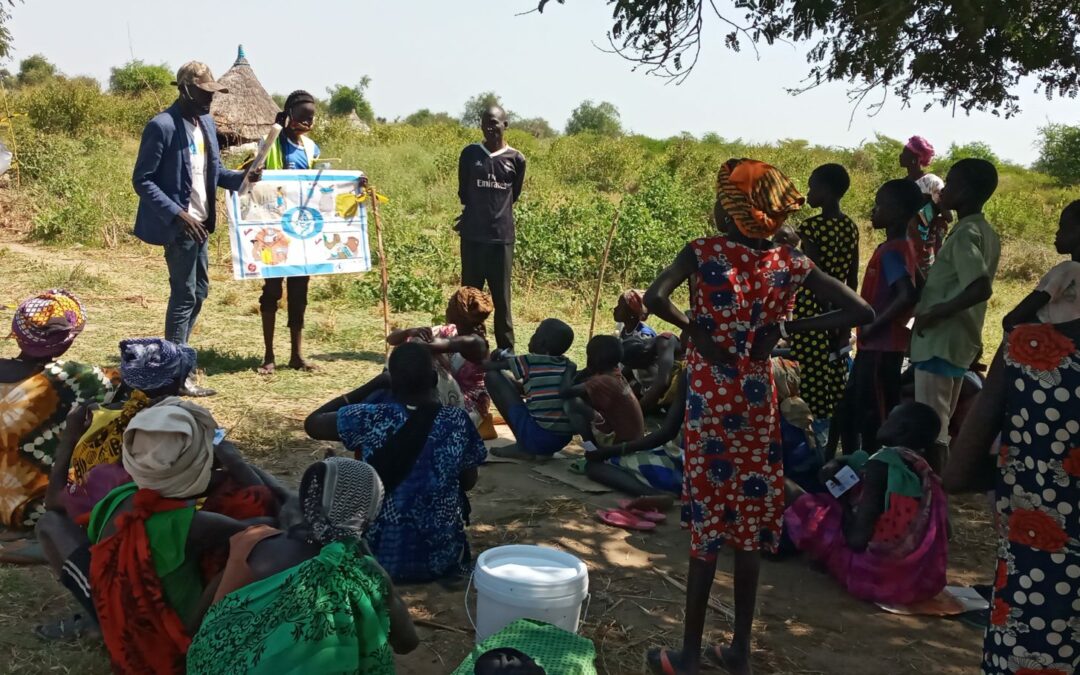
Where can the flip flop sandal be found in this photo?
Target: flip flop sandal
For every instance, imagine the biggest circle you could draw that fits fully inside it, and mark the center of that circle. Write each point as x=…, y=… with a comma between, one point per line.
x=624, y=520
x=662, y=661
x=652, y=515
x=66, y=630
x=22, y=552
x=714, y=654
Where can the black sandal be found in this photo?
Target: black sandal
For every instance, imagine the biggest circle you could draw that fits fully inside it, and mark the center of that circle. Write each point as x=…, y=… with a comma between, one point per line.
x=715, y=654
x=68, y=630
x=663, y=661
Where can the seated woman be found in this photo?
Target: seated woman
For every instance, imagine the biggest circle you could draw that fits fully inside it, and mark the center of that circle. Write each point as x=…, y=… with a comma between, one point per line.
x=426, y=455
x=654, y=365
x=37, y=391
x=282, y=590
x=150, y=370
x=136, y=565
x=885, y=538
x=460, y=346
x=630, y=314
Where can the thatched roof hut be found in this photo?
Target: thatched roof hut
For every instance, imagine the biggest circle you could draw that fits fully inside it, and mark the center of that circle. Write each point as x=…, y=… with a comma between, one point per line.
x=246, y=113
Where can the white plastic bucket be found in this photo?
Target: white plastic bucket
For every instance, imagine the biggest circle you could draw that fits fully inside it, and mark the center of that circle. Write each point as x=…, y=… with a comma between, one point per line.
x=527, y=582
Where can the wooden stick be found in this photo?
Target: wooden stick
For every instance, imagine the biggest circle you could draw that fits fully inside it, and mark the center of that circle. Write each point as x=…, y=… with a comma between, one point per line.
x=428, y=623
x=373, y=205
x=14, y=144
x=603, y=267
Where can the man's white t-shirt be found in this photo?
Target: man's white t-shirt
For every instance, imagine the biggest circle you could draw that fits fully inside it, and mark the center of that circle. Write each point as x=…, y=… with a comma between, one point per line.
x=197, y=207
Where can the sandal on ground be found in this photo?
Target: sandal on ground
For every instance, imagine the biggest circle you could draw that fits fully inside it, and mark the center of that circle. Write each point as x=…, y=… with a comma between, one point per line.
x=662, y=661
x=22, y=552
x=65, y=630
x=651, y=515
x=624, y=520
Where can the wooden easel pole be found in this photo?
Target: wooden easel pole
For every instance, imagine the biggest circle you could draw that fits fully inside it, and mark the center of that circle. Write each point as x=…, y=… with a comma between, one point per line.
x=9, y=117
x=603, y=267
x=373, y=206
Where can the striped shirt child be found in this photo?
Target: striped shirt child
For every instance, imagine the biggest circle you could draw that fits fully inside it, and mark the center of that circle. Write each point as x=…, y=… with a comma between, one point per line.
x=541, y=376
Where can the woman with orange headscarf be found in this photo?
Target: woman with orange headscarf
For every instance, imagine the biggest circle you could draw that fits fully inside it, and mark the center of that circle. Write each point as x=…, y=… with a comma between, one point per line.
x=740, y=287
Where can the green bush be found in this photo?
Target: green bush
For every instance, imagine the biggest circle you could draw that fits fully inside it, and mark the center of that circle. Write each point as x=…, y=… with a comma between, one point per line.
x=66, y=106
x=1059, y=152
x=78, y=146
x=414, y=293
x=136, y=77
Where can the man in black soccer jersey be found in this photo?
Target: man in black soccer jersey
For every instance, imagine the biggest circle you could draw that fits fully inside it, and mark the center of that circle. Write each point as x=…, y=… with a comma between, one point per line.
x=490, y=175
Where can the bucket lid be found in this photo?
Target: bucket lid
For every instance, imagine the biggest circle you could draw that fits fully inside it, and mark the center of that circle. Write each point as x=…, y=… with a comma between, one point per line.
x=532, y=570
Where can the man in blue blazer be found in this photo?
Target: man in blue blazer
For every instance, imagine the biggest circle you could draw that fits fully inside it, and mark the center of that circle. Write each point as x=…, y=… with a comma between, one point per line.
x=176, y=177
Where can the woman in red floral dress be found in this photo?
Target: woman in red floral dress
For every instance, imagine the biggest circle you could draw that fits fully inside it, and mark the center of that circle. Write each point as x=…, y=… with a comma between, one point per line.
x=1030, y=399
x=740, y=287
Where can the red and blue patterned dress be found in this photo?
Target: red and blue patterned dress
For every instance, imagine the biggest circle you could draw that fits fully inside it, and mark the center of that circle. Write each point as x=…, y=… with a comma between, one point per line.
x=733, y=476
x=1035, y=617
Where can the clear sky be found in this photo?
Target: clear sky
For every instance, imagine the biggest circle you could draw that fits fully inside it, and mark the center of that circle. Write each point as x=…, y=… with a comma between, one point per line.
x=437, y=53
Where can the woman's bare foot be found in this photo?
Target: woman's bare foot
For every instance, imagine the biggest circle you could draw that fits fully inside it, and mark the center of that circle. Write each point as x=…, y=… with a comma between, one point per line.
x=298, y=363
x=267, y=368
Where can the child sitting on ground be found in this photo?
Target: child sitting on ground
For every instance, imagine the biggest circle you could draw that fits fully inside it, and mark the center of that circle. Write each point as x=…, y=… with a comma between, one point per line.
x=535, y=411
x=602, y=409
x=654, y=364
x=630, y=314
x=646, y=467
x=884, y=539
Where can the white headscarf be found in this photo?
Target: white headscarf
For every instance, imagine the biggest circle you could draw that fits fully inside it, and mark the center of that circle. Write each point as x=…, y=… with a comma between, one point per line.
x=169, y=447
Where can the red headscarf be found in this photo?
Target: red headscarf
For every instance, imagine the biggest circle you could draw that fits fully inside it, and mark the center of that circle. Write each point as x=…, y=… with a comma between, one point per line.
x=921, y=148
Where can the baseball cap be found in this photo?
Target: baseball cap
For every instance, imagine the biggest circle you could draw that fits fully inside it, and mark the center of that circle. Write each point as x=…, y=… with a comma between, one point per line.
x=199, y=75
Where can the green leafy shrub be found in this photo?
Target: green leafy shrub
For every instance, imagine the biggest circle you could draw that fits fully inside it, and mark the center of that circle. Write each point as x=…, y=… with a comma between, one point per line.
x=414, y=293
x=1059, y=152
x=66, y=106
x=136, y=77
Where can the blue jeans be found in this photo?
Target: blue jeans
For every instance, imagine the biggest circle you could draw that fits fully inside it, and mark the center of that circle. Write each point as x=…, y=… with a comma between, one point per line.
x=189, y=284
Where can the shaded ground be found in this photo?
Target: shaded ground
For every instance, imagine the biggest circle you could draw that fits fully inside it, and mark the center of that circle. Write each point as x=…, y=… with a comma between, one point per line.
x=805, y=623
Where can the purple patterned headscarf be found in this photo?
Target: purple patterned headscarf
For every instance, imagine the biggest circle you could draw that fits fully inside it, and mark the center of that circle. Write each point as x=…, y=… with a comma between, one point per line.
x=46, y=324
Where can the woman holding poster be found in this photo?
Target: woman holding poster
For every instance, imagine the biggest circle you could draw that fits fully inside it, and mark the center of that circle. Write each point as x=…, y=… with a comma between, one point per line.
x=292, y=150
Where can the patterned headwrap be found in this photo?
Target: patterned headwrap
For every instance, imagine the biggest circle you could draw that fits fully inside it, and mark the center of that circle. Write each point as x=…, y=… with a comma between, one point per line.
x=921, y=148
x=635, y=302
x=469, y=307
x=149, y=364
x=46, y=324
x=757, y=196
x=339, y=498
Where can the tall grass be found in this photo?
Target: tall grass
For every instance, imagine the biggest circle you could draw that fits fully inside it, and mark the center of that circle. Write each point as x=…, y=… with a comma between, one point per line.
x=77, y=147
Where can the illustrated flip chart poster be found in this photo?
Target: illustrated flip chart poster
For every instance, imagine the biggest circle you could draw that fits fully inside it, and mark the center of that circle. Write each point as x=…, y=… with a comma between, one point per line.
x=297, y=223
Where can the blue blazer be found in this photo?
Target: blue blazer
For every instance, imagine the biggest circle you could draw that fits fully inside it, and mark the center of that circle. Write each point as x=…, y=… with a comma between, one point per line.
x=162, y=176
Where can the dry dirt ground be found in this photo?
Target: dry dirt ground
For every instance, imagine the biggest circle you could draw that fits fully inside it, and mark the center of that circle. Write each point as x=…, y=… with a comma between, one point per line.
x=805, y=623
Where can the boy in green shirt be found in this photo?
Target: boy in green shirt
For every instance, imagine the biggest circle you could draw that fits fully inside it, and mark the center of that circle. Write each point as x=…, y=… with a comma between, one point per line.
x=947, y=335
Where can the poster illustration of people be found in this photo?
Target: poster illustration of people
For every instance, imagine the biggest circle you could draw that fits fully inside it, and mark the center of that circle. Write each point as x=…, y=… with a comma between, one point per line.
x=294, y=223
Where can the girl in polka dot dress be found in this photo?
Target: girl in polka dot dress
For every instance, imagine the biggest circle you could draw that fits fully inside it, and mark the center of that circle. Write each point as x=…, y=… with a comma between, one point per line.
x=1031, y=396
x=741, y=285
